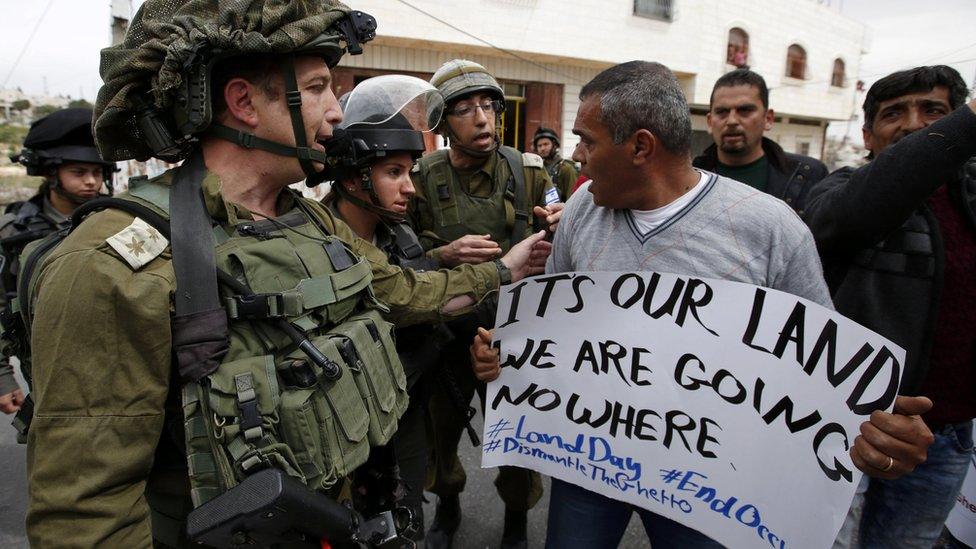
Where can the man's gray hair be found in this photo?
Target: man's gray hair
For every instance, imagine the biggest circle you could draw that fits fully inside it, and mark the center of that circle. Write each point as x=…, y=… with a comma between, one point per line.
x=643, y=95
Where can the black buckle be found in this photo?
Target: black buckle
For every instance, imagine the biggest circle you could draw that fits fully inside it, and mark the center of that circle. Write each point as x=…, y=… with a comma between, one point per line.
x=250, y=417
x=258, y=306
x=294, y=98
x=245, y=140
x=521, y=216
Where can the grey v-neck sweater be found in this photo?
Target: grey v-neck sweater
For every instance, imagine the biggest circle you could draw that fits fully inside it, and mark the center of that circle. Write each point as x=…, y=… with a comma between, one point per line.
x=729, y=232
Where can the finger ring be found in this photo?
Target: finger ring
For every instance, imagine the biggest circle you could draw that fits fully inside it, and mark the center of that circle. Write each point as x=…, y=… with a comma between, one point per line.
x=891, y=462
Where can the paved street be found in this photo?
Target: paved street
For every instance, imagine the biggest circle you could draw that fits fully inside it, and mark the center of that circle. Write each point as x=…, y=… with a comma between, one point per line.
x=480, y=528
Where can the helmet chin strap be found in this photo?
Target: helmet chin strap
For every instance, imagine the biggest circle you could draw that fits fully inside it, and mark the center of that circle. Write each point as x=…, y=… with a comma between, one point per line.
x=374, y=204
x=75, y=199
x=293, y=96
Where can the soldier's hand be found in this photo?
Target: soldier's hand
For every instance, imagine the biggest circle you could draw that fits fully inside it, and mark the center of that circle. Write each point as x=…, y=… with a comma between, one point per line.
x=550, y=214
x=891, y=445
x=484, y=357
x=10, y=402
x=470, y=248
x=528, y=257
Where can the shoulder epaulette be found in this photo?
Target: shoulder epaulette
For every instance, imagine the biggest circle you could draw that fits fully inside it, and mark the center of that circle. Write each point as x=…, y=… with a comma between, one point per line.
x=138, y=244
x=532, y=160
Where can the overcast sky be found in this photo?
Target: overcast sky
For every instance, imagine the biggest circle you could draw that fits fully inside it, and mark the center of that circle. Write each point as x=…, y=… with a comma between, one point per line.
x=62, y=56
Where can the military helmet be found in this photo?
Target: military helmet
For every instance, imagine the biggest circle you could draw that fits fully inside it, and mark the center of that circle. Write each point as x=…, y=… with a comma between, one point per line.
x=460, y=77
x=60, y=137
x=384, y=115
x=387, y=114
x=156, y=97
x=547, y=133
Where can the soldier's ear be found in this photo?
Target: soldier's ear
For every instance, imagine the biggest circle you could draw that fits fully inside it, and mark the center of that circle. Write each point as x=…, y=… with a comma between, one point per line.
x=240, y=97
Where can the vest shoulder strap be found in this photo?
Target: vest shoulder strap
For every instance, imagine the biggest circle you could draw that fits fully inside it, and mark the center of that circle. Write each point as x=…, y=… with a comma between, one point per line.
x=519, y=194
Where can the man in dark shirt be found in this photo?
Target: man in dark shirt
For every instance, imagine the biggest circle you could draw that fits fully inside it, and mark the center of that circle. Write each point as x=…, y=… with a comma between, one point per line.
x=898, y=242
x=738, y=116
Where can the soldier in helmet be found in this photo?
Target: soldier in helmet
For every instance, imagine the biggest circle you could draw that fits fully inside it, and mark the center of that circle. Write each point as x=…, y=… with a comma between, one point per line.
x=382, y=135
x=474, y=201
x=561, y=170
x=241, y=327
x=60, y=148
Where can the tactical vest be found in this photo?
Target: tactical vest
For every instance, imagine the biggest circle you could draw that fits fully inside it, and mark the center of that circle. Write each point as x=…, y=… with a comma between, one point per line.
x=503, y=214
x=267, y=404
x=405, y=251
x=29, y=223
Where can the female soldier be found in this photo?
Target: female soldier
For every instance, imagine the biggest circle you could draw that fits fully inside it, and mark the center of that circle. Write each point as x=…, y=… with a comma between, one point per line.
x=373, y=150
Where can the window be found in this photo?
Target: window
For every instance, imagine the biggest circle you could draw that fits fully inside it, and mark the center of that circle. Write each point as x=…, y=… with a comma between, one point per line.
x=738, y=50
x=655, y=9
x=838, y=77
x=796, y=62
x=512, y=127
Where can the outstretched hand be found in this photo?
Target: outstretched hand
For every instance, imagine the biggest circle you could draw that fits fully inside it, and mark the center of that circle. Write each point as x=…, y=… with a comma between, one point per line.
x=550, y=214
x=528, y=257
x=470, y=248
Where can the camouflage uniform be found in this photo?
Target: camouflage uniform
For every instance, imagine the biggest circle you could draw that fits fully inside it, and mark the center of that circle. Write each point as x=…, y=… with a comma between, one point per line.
x=112, y=403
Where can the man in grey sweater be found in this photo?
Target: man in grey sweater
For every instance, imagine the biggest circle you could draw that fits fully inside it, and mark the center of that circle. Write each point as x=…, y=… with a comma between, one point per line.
x=648, y=209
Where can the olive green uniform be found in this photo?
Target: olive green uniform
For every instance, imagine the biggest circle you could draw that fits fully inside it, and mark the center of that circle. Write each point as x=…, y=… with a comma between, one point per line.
x=32, y=220
x=475, y=203
x=563, y=174
x=105, y=387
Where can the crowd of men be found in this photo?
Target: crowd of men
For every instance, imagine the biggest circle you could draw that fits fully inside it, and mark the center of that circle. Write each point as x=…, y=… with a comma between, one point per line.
x=211, y=323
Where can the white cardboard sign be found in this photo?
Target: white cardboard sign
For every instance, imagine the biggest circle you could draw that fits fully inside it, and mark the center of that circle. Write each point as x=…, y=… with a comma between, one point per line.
x=725, y=406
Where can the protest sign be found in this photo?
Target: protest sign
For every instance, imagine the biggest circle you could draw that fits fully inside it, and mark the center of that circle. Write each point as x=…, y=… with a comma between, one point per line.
x=962, y=519
x=727, y=407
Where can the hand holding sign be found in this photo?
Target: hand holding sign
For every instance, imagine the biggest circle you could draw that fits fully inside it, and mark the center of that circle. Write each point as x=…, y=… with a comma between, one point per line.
x=891, y=445
x=484, y=358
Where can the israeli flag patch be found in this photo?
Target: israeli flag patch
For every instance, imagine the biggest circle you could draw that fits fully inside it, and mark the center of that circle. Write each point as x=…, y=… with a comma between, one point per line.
x=552, y=196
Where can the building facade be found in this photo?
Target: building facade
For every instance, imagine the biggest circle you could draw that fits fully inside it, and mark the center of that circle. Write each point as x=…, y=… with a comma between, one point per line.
x=543, y=51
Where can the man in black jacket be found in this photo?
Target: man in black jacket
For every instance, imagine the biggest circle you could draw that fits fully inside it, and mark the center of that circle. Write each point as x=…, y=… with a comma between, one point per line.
x=898, y=242
x=738, y=116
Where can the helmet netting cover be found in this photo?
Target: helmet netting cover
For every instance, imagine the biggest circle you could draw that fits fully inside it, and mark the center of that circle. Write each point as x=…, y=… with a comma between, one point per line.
x=164, y=34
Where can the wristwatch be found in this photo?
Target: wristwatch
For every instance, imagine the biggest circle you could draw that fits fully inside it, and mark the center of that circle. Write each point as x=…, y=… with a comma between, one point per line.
x=504, y=274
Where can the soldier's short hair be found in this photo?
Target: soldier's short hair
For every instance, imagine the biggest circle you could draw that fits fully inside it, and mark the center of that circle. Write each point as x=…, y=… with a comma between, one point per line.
x=642, y=95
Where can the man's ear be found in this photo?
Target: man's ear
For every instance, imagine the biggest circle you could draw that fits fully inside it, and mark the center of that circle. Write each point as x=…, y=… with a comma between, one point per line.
x=770, y=117
x=868, y=136
x=645, y=145
x=239, y=97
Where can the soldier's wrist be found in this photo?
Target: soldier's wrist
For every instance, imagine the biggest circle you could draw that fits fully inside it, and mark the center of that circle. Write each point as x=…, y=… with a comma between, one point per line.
x=504, y=273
